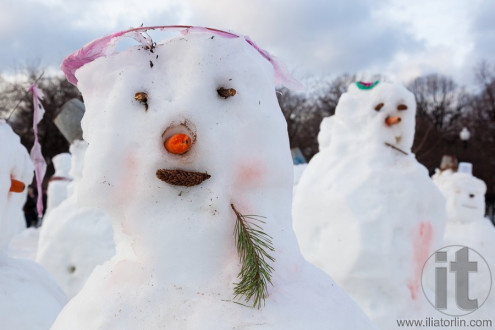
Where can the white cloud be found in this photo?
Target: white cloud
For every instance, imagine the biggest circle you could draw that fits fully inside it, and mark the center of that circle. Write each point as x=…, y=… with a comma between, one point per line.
x=392, y=37
x=445, y=29
x=316, y=36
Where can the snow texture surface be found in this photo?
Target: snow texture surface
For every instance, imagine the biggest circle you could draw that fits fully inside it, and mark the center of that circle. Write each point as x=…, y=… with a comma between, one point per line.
x=25, y=244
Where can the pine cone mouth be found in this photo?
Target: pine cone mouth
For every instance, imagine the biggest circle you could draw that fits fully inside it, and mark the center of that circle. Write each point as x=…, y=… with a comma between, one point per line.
x=182, y=178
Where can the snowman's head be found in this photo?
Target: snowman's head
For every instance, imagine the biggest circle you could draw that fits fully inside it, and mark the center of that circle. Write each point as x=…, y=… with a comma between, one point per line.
x=381, y=112
x=465, y=198
x=189, y=126
x=16, y=173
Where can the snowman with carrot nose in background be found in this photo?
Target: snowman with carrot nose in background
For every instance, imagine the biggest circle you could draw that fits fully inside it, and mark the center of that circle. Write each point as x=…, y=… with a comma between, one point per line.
x=16, y=171
x=365, y=210
x=29, y=297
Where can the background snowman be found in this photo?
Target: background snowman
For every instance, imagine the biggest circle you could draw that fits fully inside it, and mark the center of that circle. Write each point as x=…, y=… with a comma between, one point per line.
x=29, y=297
x=365, y=210
x=467, y=225
x=188, y=152
x=74, y=240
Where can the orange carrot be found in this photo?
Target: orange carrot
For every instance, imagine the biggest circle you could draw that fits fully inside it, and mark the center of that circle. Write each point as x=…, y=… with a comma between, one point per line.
x=178, y=144
x=16, y=186
x=392, y=120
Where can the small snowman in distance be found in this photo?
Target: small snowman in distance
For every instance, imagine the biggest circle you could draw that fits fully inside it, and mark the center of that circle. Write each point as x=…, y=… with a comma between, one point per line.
x=448, y=166
x=57, y=186
x=466, y=223
x=465, y=195
x=188, y=153
x=29, y=297
x=365, y=210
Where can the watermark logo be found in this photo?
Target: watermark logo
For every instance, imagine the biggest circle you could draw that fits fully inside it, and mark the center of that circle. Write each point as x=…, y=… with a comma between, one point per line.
x=456, y=280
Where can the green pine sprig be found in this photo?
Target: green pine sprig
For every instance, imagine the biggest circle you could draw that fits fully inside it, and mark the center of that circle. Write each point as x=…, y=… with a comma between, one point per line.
x=253, y=247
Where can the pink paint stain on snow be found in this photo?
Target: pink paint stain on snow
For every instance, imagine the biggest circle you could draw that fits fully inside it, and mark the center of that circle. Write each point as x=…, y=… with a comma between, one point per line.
x=126, y=181
x=250, y=175
x=422, y=242
x=106, y=45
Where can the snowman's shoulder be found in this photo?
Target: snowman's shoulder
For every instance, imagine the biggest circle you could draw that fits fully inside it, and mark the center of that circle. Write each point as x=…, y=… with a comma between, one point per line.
x=28, y=273
x=313, y=298
x=104, y=301
x=23, y=286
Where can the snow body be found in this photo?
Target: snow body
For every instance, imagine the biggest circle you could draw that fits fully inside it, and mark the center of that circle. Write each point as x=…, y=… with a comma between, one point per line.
x=73, y=239
x=57, y=187
x=298, y=171
x=29, y=297
x=367, y=213
x=176, y=261
x=25, y=244
x=325, y=134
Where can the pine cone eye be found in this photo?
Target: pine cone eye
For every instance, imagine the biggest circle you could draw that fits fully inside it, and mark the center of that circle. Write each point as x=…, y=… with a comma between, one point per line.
x=379, y=106
x=402, y=107
x=142, y=97
x=226, y=92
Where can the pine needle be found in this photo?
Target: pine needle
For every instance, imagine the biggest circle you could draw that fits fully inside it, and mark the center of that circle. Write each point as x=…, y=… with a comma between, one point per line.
x=253, y=246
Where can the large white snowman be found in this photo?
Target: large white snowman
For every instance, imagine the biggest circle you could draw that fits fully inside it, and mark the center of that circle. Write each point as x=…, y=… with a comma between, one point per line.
x=29, y=297
x=186, y=140
x=73, y=239
x=365, y=210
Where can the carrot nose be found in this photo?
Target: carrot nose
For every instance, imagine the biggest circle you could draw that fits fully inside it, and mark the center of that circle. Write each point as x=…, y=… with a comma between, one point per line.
x=178, y=144
x=392, y=120
x=16, y=186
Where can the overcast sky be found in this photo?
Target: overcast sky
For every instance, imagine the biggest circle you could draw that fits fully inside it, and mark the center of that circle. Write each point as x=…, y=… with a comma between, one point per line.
x=400, y=39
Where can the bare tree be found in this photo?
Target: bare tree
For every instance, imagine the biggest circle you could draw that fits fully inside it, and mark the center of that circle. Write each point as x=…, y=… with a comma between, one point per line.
x=16, y=106
x=485, y=76
x=439, y=99
x=305, y=110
